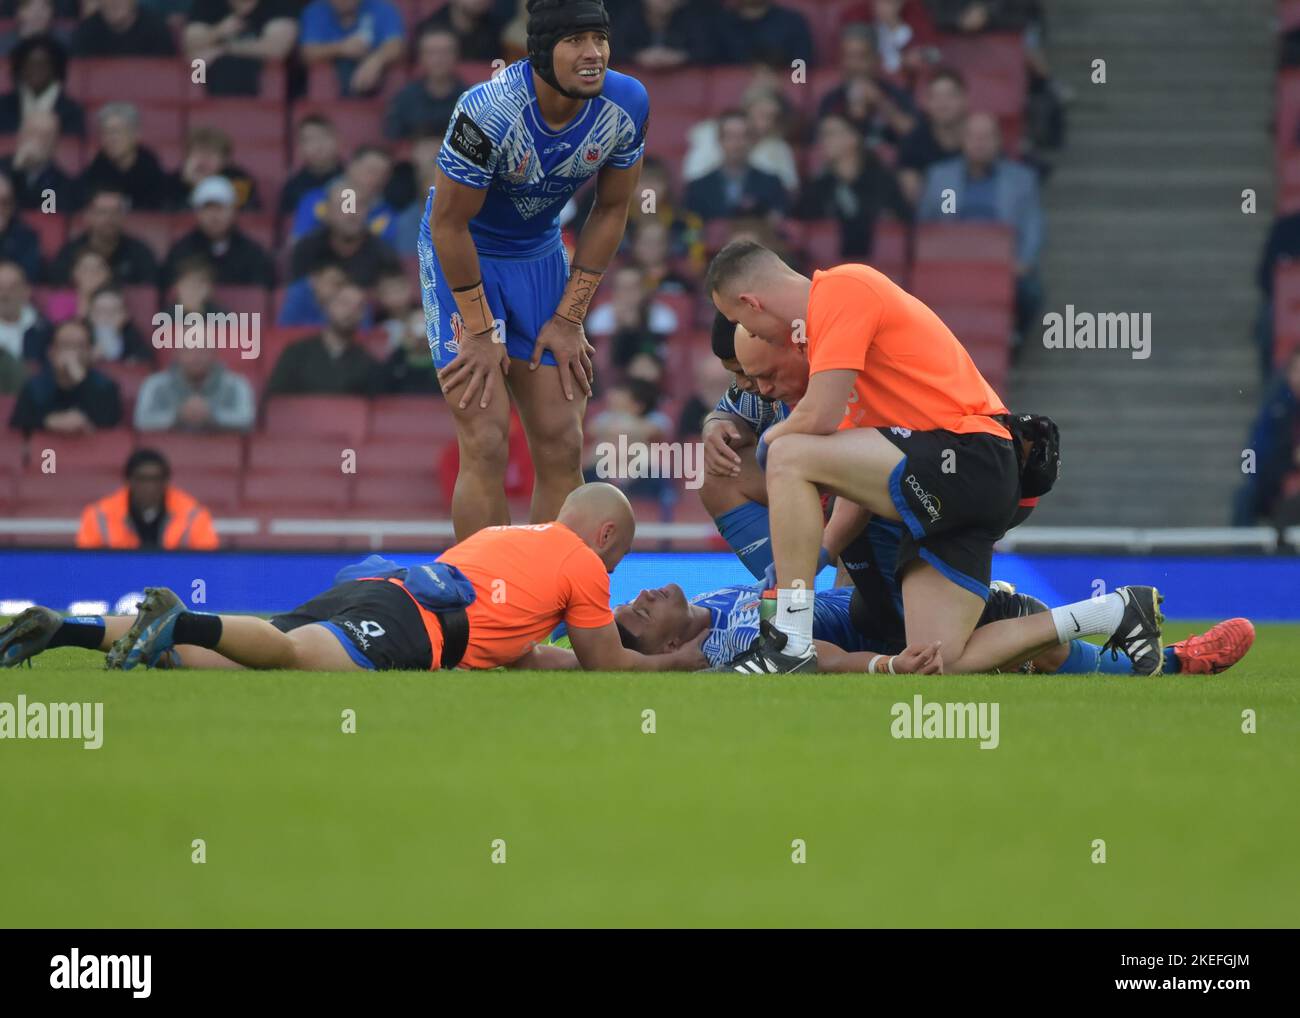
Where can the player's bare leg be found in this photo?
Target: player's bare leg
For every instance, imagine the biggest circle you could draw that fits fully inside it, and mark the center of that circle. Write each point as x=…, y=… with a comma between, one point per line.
x=856, y=464
x=553, y=425
x=720, y=495
x=482, y=435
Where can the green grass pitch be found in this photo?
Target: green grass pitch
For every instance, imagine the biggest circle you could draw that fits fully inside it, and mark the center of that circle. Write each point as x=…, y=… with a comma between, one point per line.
x=692, y=825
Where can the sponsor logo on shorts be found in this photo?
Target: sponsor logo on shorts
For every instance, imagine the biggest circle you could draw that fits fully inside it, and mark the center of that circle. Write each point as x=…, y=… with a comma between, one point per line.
x=928, y=502
x=752, y=547
x=364, y=632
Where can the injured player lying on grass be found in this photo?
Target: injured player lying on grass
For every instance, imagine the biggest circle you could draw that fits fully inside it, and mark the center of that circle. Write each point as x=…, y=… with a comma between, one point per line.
x=851, y=638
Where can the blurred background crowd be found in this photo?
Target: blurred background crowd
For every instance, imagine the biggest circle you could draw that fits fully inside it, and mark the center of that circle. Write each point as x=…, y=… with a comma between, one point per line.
x=273, y=156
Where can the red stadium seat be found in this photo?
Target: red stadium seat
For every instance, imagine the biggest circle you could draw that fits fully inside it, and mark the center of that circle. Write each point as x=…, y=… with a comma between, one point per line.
x=679, y=89
x=387, y=456
x=217, y=492
x=981, y=284
x=1286, y=311
x=411, y=419
x=103, y=451
x=142, y=304
x=161, y=127
x=209, y=454
x=319, y=416
x=988, y=326
x=67, y=491
x=50, y=229
x=408, y=494
x=129, y=375
x=318, y=454
x=249, y=122
x=272, y=86
x=1287, y=129
x=152, y=81
x=472, y=72
x=251, y=299
x=1289, y=16
x=358, y=121
x=964, y=242
x=727, y=87
x=298, y=493
x=666, y=135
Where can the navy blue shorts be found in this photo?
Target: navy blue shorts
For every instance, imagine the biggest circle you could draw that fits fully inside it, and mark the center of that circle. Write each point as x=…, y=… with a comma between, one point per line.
x=522, y=292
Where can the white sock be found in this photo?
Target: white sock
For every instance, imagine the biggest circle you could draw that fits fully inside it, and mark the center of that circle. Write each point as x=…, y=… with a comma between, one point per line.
x=1097, y=616
x=794, y=617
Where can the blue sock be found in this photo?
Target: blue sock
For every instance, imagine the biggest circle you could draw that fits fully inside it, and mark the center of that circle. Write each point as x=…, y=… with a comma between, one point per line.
x=1086, y=658
x=1172, y=665
x=746, y=532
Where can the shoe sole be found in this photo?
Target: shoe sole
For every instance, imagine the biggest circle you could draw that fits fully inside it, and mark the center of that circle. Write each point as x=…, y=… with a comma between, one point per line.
x=157, y=602
x=1157, y=599
x=29, y=622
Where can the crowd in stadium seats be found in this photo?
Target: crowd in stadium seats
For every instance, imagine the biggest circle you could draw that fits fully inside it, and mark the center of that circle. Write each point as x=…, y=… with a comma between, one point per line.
x=286, y=176
x=1271, y=492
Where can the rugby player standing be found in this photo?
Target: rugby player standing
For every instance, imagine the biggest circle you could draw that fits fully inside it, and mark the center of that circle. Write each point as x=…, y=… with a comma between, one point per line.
x=496, y=282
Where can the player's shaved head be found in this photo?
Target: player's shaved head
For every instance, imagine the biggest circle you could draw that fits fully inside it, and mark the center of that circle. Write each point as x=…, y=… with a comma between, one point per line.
x=752, y=286
x=602, y=516
x=779, y=370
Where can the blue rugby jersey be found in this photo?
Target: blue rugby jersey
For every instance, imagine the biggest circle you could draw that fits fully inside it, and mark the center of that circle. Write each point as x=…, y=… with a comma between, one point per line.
x=498, y=141
x=734, y=625
x=758, y=411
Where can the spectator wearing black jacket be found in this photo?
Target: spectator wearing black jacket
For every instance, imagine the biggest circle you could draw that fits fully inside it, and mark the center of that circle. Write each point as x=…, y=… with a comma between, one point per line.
x=759, y=31
x=24, y=333
x=236, y=259
x=344, y=240
x=123, y=164
x=129, y=258
x=39, y=182
x=735, y=188
x=333, y=363
x=473, y=22
x=1275, y=440
x=122, y=28
x=662, y=34
x=69, y=396
x=853, y=188
x=39, y=66
x=425, y=105
x=18, y=241
x=317, y=147
x=235, y=37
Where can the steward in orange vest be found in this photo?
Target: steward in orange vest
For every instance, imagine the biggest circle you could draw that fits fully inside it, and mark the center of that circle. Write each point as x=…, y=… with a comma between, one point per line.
x=147, y=512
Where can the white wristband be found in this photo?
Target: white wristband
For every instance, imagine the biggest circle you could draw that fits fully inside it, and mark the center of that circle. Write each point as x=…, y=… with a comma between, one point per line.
x=891, y=667
x=871, y=666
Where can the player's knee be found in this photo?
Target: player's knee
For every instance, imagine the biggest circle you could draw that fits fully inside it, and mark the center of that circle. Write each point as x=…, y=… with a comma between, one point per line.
x=557, y=448
x=720, y=494
x=484, y=448
x=783, y=458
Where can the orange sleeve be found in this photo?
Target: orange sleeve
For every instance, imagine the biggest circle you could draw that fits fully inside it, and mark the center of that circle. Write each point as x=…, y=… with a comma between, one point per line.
x=88, y=535
x=203, y=535
x=843, y=317
x=588, y=583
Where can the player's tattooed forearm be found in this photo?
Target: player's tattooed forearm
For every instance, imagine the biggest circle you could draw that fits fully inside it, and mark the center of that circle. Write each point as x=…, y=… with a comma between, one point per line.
x=473, y=305
x=578, y=294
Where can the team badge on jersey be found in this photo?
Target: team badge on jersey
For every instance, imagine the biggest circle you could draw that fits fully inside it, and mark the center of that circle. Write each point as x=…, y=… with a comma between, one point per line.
x=591, y=154
x=470, y=141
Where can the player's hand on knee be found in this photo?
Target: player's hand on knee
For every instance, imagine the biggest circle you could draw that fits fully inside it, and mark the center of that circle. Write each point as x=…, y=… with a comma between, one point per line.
x=720, y=459
x=568, y=344
x=923, y=659
x=477, y=368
